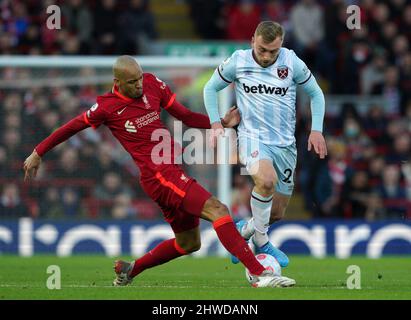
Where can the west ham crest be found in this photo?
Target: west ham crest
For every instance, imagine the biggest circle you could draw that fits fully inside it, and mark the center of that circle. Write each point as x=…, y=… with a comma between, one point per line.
x=282, y=72
x=254, y=154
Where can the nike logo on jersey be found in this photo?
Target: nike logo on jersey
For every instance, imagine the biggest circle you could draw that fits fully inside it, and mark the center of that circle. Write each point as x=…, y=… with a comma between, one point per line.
x=262, y=88
x=121, y=111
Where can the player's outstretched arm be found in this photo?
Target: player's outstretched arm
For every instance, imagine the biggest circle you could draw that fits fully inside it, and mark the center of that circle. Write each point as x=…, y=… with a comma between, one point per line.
x=222, y=77
x=210, y=94
x=188, y=117
x=32, y=163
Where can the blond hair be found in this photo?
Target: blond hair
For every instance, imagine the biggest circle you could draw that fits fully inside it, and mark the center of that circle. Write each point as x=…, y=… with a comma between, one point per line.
x=269, y=31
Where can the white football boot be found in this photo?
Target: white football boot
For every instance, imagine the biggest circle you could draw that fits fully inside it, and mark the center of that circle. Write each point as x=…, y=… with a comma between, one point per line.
x=122, y=269
x=268, y=280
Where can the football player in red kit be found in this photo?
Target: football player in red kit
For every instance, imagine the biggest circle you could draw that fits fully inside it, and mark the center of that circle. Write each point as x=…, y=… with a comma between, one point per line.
x=132, y=113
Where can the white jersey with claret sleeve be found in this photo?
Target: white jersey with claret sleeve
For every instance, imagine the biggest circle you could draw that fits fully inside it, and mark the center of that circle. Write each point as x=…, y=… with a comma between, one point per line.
x=266, y=97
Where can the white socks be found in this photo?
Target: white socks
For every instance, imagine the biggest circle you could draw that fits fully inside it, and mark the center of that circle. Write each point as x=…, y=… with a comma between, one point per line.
x=261, y=209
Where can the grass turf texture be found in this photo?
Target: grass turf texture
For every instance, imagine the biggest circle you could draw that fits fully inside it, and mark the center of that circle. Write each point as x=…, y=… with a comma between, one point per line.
x=90, y=277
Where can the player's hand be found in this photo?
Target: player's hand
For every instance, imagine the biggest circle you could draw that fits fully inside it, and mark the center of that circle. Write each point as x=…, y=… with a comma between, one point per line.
x=317, y=141
x=231, y=118
x=216, y=131
x=31, y=166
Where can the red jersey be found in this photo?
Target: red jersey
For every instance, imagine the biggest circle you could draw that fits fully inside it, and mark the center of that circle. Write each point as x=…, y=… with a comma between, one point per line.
x=133, y=122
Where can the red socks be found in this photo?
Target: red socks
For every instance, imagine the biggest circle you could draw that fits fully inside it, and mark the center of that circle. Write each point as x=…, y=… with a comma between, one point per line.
x=165, y=251
x=226, y=232
x=236, y=245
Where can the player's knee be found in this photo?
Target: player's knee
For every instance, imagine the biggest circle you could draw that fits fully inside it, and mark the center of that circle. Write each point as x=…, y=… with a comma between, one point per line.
x=216, y=209
x=266, y=183
x=221, y=210
x=267, y=186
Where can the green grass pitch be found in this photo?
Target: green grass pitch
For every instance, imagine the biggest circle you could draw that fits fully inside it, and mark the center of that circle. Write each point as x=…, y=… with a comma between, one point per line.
x=90, y=277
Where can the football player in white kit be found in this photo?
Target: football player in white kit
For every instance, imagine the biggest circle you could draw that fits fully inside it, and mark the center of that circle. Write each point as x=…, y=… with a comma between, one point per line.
x=266, y=79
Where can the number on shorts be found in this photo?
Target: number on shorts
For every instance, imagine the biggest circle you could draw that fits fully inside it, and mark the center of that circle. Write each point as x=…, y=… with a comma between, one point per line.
x=288, y=173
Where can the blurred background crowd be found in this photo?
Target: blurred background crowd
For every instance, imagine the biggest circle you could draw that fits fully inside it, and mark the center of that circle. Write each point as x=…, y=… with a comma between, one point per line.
x=366, y=175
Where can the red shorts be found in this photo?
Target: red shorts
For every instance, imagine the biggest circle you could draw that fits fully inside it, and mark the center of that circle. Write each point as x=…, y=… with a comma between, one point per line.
x=179, y=196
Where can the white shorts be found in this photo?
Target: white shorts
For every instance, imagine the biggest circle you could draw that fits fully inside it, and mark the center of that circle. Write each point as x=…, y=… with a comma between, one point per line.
x=284, y=160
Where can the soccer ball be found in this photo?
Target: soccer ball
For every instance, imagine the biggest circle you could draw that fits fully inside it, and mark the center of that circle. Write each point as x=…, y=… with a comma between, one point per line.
x=268, y=262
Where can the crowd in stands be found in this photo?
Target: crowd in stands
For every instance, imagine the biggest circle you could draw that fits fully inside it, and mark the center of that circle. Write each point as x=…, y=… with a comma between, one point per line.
x=92, y=27
x=87, y=176
x=367, y=173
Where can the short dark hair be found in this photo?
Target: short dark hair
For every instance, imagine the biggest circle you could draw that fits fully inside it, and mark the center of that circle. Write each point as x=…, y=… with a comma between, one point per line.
x=269, y=30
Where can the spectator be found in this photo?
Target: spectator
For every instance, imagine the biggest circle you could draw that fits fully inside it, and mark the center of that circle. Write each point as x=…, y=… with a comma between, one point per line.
x=242, y=20
x=79, y=22
x=275, y=11
x=408, y=117
x=396, y=9
x=385, y=39
x=50, y=204
x=375, y=125
x=356, y=195
x=102, y=160
x=13, y=103
x=140, y=26
x=49, y=122
x=6, y=43
x=71, y=45
x=12, y=121
x=375, y=168
x=123, y=207
x=400, y=151
x=12, y=141
x=11, y=205
x=19, y=21
x=206, y=16
x=336, y=36
x=380, y=17
x=392, y=194
x=405, y=81
x=391, y=92
x=399, y=48
x=356, y=141
x=29, y=41
x=308, y=29
x=406, y=171
x=111, y=188
x=329, y=181
x=4, y=166
x=373, y=73
x=357, y=57
x=406, y=22
x=68, y=165
x=105, y=27
x=70, y=199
